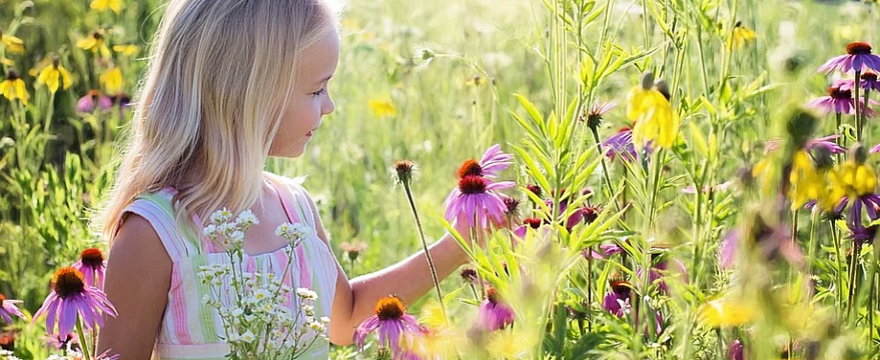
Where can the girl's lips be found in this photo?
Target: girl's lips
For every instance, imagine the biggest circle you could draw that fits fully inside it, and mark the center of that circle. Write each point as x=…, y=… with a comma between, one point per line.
x=309, y=133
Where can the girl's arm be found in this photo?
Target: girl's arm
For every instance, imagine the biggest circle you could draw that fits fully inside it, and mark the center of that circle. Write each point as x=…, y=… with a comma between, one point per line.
x=137, y=282
x=408, y=279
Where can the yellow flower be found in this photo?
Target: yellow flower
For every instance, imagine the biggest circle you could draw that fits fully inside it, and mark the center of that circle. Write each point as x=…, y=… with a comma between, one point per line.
x=95, y=43
x=655, y=119
x=741, y=35
x=808, y=183
x=112, y=80
x=6, y=61
x=126, y=50
x=852, y=180
x=383, y=108
x=100, y=5
x=13, y=87
x=726, y=313
x=12, y=43
x=53, y=75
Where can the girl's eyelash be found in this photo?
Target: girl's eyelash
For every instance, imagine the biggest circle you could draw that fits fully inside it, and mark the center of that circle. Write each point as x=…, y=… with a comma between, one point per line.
x=319, y=92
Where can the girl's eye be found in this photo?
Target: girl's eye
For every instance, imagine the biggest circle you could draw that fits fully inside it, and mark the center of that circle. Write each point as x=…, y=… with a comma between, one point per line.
x=319, y=92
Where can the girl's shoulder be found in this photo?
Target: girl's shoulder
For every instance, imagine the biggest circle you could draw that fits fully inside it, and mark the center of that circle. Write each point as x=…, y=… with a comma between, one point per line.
x=294, y=185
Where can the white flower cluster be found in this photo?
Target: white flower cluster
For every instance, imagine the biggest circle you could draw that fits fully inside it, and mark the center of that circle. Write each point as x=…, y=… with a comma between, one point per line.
x=7, y=355
x=294, y=233
x=228, y=233
x=255, y=308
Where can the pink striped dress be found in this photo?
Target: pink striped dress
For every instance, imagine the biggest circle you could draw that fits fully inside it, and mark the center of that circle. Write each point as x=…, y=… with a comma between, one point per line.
x=192, y=330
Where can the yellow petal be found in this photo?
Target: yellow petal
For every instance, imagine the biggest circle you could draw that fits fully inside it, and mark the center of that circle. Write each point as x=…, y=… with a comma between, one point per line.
x=86, y=43
x=65, y=77
x=726, y=313
x=6, y=89
x=113, y=81
x=21, y=91
x=126, y=50
x=13, y=44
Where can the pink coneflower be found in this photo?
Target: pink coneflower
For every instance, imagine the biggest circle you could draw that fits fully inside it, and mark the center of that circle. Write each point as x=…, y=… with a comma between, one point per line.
x=392, y=322
x=475, y=199
x=858, y=58
x=826, y=142
x=494, y=314
x=492, y=162
x=594, y=117
x=586, y=215
x=735, y=350
x=617, y=301
x=91, y=265
x=607, y=250
x=867, y=81
x=840, y=101
x=661, y=270
x=8, y=309
x=533, y=223
x=71, y=299
x=87, y=103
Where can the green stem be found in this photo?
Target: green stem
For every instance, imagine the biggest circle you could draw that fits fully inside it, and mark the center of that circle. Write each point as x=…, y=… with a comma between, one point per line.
x=606, y=177
x=412, y=204
x=856, y=104
x=83, y=341
x=836, y=238
x=47, y=124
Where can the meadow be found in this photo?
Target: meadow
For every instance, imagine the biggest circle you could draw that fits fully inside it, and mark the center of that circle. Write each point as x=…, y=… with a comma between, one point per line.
x=713, y=196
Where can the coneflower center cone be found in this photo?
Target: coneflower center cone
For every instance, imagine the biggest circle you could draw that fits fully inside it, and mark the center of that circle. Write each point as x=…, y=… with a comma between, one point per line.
x=68, y=281
x=858, y=48
x=473, y=184
x=390, y=308
x=470, y=168
x=92, y=257
x=838, y=93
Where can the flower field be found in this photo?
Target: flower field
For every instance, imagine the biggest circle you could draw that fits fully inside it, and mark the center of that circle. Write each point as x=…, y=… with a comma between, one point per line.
x=726, y=146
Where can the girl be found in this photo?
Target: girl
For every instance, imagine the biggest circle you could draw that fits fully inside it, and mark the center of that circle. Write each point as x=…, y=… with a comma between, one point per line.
x=230, y=83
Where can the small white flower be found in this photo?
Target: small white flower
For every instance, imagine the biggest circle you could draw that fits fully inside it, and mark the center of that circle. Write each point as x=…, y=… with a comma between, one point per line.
x=325, y=319
x=306, y=294
x=248, y=336
x=282, y=230
x=319, y=327
x=247, y=218
x=262, y=294
x=210, y=230
x=220, y=216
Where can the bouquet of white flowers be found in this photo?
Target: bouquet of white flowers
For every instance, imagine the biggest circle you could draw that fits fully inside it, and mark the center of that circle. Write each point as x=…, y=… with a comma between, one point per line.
x=256, y=321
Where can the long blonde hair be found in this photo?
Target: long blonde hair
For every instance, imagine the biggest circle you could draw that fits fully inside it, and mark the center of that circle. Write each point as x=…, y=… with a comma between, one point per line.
x=217, y=83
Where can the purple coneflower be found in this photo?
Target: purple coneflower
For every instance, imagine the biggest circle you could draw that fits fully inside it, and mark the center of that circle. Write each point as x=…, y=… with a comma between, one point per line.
x=392, y=322
x=8, y=309
x=772, y=242
x=533, y=223
x=617, y=301
x=839, y=101
x=91, y=264
x=86, y=103
x=494, y=314
x=70, y=299
x=858, y=58
x=594, y=117
x=621, y=144
x=735, y=350
x=867, y=81
x=660, y=271
x=492, y=162
x=475, y=199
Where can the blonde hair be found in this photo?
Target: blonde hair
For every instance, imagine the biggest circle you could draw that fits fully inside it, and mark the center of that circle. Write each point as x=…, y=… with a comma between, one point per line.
x=217, y=83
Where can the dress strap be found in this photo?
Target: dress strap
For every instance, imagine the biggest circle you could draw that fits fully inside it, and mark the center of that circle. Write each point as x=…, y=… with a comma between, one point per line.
x=157, y=208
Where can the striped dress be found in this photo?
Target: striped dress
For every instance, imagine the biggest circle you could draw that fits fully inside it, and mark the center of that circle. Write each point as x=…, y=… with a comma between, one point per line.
x=192, y=330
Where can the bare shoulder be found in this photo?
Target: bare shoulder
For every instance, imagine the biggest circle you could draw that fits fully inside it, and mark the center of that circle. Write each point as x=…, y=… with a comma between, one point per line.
x=138, y=240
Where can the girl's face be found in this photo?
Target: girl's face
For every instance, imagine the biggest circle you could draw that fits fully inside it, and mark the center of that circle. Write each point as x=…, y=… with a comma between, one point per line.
x=310, y=99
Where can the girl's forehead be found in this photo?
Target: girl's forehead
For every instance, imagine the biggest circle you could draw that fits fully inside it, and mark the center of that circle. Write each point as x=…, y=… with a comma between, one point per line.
x=318, y=61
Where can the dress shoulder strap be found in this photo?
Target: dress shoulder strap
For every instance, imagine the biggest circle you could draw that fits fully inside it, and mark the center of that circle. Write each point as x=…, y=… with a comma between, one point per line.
x=158, y=209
